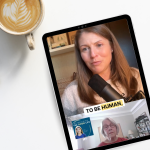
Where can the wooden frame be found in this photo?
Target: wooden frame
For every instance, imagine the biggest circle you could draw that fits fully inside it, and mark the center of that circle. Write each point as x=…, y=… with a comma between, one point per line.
x=71, y=36
x=57, y=41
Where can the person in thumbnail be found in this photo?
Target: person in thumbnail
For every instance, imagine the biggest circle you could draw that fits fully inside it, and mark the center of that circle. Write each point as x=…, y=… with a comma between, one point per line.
x=98, y=52
x=110, y=129
x=79, y=133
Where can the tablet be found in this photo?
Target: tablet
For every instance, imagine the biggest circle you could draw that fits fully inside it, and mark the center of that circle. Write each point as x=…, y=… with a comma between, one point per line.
x=99, y=84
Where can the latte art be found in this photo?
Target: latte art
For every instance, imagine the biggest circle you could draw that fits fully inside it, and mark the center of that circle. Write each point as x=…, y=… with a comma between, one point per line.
x=19, y=15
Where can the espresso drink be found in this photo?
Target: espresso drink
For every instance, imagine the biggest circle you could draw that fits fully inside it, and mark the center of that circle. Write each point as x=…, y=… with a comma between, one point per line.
x=19, y=15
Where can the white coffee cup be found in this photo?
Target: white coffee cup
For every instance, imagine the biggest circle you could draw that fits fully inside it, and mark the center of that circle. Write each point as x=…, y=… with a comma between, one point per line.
x=25, y=12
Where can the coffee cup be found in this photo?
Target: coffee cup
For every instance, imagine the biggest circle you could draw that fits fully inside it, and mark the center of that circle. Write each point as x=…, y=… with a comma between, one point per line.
x=21, y=17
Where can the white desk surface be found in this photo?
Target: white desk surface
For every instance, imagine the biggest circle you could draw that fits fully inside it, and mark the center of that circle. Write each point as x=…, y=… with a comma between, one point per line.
x=28, y=112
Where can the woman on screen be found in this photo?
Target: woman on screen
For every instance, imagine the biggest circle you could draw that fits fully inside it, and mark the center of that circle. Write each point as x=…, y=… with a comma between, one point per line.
x=79, y=133
x=110, y=129
x=98, y=52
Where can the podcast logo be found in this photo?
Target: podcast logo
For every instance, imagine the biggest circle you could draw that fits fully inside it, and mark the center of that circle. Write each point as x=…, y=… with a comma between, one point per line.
x=82, y=128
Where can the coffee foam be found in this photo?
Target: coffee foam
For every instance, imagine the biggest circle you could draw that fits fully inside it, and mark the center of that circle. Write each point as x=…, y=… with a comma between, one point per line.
x=19, y=15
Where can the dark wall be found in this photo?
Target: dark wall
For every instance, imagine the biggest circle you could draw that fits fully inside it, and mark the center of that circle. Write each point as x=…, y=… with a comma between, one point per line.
x=121, y=31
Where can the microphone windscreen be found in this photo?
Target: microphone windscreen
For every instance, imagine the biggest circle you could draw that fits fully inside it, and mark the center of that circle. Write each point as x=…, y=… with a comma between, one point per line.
x=103, y=89
x=97, y=83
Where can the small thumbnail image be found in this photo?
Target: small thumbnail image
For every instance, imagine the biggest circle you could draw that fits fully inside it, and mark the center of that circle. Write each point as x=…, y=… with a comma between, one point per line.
x=82, y=128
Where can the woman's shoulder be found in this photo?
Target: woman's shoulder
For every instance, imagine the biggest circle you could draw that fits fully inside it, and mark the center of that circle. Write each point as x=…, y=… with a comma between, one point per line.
x=102, y=144
x=72, y=84
x=70, y=95
x=71, y=101
x=81, y=136
x=71, y=87
x=120, y=139
x=135, y=72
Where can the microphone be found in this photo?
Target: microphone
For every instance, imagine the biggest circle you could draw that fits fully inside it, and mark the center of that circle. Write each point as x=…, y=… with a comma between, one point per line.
x=103, y=89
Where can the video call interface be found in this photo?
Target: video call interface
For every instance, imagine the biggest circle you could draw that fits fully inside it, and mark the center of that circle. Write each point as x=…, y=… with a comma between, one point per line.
x=100, y=85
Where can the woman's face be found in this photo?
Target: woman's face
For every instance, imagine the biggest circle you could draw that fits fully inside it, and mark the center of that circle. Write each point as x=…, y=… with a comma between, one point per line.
x=78, y=130
x=96, y=52
x=110, y=129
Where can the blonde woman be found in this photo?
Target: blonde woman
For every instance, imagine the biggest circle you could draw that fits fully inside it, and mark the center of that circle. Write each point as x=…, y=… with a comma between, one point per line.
x=110, y=129
x=79, y=133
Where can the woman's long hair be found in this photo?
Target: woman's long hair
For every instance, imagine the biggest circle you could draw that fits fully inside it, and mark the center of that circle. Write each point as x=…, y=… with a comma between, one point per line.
x=120, y=69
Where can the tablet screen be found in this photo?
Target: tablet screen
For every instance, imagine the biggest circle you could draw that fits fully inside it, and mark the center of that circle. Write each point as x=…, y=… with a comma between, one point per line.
x=99, y=84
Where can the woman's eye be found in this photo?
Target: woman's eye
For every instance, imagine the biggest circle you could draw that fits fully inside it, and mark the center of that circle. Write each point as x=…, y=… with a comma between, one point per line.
x=105, y=127
x=85, y=49
x=99, y=45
